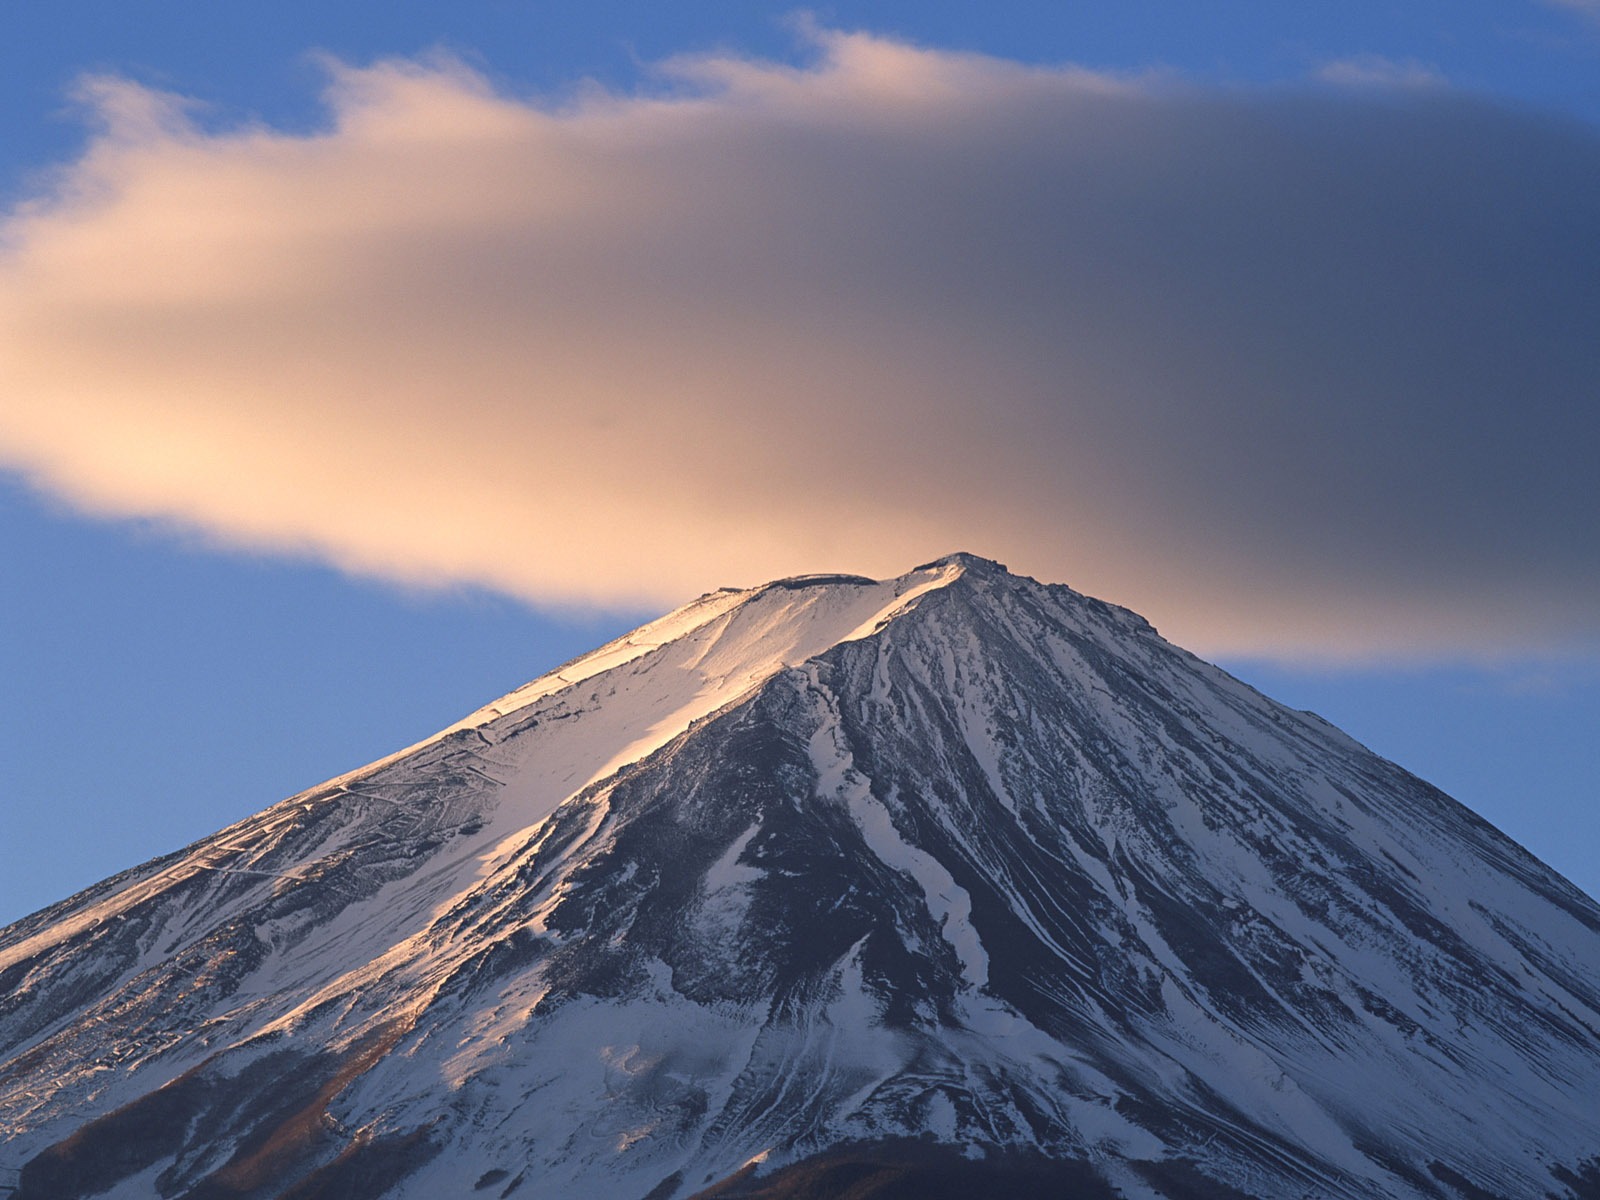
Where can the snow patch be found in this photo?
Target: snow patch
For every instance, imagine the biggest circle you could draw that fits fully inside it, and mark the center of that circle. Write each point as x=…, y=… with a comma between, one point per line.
x=728, y=871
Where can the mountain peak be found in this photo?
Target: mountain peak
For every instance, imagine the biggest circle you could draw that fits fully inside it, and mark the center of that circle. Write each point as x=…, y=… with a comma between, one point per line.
x=975, y=563
x=826, y=864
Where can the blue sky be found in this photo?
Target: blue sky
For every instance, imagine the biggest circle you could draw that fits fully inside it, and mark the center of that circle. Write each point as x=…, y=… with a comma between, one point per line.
x=176, y=659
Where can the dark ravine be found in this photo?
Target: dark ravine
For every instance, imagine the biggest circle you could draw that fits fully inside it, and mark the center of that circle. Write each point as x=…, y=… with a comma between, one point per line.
x=915, y=1170
x=955, y=883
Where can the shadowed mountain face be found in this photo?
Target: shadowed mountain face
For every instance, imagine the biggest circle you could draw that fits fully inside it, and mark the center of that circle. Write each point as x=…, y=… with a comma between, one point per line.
x=829, y=888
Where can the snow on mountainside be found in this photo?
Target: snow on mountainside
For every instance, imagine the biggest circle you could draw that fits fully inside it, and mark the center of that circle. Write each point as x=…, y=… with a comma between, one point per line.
x=956, y=873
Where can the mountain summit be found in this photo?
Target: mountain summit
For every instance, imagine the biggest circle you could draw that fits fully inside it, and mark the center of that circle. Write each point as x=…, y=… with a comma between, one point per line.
x=956, y=883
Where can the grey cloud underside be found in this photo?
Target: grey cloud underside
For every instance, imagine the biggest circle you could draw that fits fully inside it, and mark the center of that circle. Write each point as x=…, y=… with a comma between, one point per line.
x=998, y=867
x=1338, y=336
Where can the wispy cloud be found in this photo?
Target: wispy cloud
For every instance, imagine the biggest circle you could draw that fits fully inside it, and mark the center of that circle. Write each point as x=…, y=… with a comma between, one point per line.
x=1374, y=70
x=1289, y=372
x=1587, y=8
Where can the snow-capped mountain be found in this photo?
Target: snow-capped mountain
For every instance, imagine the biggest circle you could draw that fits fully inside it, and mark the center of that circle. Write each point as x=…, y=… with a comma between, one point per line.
x=957, y=879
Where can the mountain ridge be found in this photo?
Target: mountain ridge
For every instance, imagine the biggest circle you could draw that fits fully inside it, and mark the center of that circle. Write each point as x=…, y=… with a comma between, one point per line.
x=827, y=862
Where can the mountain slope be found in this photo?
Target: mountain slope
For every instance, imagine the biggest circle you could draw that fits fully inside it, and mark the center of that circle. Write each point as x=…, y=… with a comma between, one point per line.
x=830, y=862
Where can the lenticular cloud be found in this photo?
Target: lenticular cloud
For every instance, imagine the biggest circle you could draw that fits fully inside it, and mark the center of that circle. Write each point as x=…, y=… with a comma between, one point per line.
x=1290, y=370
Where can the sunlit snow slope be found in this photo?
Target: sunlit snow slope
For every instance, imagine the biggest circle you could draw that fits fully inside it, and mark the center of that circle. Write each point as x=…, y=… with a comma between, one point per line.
x=957, y=856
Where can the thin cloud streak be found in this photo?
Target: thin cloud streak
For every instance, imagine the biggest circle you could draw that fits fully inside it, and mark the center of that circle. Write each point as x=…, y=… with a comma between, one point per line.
x=1587, y=8
x=1374, y=70
x=1294, y=372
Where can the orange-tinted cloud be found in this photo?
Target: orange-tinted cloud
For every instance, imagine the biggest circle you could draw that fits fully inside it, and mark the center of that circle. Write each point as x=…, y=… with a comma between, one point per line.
x=1301, y=372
